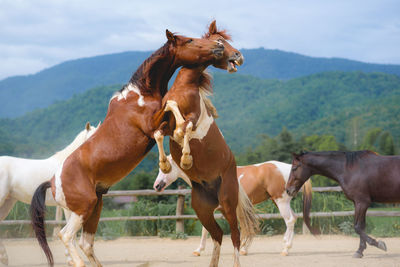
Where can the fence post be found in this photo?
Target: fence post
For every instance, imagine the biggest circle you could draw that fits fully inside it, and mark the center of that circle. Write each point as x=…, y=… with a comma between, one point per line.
x=57, y=228
x=180, y=226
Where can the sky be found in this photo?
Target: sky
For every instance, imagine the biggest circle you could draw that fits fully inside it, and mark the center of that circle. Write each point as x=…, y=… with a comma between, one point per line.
x=37, y=34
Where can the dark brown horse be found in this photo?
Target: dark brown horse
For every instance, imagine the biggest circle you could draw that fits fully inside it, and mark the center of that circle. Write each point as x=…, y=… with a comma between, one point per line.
x=197, y=143
x=118, y=146
x=364, y=176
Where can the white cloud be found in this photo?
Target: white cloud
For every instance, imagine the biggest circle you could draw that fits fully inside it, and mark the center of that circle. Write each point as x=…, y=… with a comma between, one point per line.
x=41, y=33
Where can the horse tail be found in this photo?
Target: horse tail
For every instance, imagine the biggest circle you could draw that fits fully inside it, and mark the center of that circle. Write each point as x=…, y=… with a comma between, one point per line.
x=248, y=219
x=307, y=197
x=37, y=210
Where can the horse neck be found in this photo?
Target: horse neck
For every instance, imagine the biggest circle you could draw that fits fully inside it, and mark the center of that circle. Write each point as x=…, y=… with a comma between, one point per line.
x=63, y=154
x=154, y=73
x=331, y=167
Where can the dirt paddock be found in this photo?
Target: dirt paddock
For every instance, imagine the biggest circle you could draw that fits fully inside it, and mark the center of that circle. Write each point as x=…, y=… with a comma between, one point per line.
x=154, y=251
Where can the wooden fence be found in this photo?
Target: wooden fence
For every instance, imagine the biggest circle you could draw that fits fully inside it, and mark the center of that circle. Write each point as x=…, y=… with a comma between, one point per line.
x=180, y=217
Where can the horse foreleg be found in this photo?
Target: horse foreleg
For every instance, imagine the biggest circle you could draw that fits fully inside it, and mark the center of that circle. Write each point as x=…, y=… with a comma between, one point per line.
x=359, y=227
x=164, y=164
x=290, y=219
x=186, y=159
x=204, y=204
x=174, y=108
x=4, y=211
x=203, y=242
x=89, y=229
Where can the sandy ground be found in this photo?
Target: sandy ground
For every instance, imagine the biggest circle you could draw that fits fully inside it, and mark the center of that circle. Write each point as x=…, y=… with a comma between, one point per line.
x=154, y=251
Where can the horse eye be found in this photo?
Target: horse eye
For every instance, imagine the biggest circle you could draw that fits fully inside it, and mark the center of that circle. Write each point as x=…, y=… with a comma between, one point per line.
x=189, y=41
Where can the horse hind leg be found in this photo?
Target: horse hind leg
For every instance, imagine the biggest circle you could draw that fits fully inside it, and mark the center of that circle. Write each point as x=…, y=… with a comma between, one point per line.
x=359, y=227
x=203, y=242
x=229, y=201
x=204, y=205
x=67, y=236
x=89, y=230
x=290, y=220
x=4, y=211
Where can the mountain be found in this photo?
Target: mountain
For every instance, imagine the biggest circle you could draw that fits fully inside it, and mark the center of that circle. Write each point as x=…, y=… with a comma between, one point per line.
x=344, y=104
x=22, y=94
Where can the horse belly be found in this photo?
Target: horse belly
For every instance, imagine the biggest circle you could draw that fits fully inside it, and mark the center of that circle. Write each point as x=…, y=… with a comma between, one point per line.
x=26, y=179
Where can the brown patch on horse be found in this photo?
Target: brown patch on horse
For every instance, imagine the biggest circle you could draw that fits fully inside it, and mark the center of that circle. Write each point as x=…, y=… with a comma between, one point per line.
x=262, y=182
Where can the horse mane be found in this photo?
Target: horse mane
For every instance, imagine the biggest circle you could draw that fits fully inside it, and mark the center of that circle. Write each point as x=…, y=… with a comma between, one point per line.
x=148, y=68
x=206, y=90
x=353, y=156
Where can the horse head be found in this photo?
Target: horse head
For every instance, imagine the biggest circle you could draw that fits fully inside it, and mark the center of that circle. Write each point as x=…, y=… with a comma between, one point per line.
x=163, y=180
x=231, y=56
x=190, y=51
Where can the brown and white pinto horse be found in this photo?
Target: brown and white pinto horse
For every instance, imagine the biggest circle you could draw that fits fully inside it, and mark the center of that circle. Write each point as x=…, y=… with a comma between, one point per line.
x=119, y=144
x=197, y=143
x=261, y=182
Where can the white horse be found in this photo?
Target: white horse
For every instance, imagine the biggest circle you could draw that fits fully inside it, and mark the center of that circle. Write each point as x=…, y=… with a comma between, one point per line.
x=261, y=182
x=20, y=177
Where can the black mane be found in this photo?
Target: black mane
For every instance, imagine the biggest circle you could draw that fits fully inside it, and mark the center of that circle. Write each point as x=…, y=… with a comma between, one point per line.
x=351, y=156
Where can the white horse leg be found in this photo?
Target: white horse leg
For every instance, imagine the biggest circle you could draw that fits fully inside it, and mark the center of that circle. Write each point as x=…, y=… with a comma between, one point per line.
x=4, y=211
x=203, y=241
x=215, y=254
x=290, y=219
x=186, y=159
x=86, y=244
x=164, y=164
x=67, y=215
x=68, y=234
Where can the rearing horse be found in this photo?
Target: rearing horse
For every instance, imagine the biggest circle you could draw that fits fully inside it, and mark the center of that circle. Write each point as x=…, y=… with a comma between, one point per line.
x=197, y=143
x=364, y=176
x=118, y=146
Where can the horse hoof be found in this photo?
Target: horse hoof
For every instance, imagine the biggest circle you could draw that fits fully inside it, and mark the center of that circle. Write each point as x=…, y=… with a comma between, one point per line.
x=70, y=263
x=243, y=252
x=382, y=245
x=358, y=255
x=196, y=253
x=4, y=259
x=186, y=162
x=165, y=166
x=284, y=253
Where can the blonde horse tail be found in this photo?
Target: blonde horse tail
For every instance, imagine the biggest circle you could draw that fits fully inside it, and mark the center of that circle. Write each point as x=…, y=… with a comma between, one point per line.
x=248, y=219
x=307, y=197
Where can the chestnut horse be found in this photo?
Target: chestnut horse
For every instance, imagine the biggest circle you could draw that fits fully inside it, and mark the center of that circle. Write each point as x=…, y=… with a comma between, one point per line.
x=364, y=176
x=197, y=143
x=117, y=147
x=261, y=182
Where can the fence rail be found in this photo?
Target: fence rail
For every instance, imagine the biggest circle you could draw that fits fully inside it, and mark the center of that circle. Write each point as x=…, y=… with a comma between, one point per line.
x=180, y=217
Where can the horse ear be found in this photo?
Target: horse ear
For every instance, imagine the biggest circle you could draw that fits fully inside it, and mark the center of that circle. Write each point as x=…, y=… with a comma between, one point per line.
x=295, y=156
x=170, y=36
x=98, y=124
x=87, y=126
x=212, y=29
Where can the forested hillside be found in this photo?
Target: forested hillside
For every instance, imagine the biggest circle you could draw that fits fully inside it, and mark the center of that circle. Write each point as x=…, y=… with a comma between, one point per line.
x=26, y=93
x=343, y=104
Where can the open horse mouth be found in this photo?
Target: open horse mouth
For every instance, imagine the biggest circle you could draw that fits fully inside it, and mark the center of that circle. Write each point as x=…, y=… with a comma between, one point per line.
x=234, y=61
